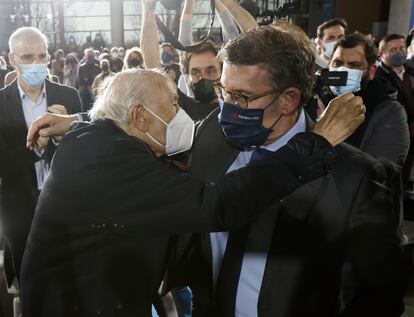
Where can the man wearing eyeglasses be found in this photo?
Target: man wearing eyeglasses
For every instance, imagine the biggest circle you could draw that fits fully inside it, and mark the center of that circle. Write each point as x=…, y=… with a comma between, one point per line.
x=23, y=172
x=288, y=262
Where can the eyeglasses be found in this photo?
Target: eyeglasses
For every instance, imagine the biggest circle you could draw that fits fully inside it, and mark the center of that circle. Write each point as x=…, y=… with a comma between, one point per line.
x=30, y=58
x=237, y=97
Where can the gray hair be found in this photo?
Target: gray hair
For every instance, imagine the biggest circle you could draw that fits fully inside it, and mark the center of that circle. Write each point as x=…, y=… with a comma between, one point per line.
x=24, y=33
x=125, y=90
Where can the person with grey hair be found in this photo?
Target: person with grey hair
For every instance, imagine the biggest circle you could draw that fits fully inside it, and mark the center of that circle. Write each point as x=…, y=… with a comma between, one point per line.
x=23, y=172
x=100, y=241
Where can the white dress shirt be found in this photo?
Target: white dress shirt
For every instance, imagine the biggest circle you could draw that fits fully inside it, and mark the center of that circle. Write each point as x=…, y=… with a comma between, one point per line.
x=254, y=263
x=33, y=110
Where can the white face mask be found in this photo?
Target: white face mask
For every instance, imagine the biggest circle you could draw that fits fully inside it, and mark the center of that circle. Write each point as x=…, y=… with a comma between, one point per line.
x=179, y=133
x=329, y=49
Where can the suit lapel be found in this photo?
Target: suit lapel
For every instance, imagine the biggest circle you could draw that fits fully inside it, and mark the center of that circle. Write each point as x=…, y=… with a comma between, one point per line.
x=212, y=155
x=13, y=104
x=50, y=94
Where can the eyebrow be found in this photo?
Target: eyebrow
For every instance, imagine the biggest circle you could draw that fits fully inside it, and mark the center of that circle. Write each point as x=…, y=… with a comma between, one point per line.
x=241, y=91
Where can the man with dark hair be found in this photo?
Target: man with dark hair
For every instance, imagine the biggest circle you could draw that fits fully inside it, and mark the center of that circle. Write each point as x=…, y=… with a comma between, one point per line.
x=328, y=34
x=202, y=68
x=288, y=262
x=393, y=69
x=384, y=132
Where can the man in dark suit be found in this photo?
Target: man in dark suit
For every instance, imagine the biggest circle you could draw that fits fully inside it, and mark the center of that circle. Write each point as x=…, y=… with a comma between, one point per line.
x=289, y=261
x=100, y=240
x=395, y=71
x=22, y=172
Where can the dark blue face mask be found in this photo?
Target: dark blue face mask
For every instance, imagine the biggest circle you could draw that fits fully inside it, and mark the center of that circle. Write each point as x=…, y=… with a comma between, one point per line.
x=244, y=127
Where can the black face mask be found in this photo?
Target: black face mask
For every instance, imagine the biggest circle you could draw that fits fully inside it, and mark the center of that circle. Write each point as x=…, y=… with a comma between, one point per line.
x=135, y=62
x=204, y=91
x=105, y=68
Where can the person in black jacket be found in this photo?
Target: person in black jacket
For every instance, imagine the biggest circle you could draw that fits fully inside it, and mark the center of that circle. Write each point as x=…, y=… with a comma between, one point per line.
x=385, y=132
x=22, y=172
x=100, y=240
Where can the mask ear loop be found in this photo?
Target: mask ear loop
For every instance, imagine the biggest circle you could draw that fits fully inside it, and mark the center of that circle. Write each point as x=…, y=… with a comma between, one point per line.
x=148, y=134
x=278, y=118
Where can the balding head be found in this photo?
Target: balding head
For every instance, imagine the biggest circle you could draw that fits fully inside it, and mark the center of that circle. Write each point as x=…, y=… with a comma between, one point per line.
x=24, y=35
x=130, y=88
x=142, y=103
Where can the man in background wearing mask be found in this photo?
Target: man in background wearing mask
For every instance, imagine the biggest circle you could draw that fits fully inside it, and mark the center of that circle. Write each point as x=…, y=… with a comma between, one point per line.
x=23, y=172
x=169, y=61
x=87, y=72
x=99, y=79
x=328, y=34
x=384, y=132
x=393, y=54
x=394, y=69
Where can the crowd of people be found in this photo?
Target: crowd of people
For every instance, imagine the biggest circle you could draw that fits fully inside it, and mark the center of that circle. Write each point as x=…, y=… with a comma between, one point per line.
x=231, y=168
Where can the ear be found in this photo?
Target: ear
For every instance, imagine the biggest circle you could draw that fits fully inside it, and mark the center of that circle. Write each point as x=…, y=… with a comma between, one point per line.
x=372, y=69
x=290, y=100
x=137, y=118
x=12, y=59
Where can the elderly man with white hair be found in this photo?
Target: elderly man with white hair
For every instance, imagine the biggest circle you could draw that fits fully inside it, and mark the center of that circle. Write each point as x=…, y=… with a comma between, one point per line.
x=101, y=236
x=23, y=172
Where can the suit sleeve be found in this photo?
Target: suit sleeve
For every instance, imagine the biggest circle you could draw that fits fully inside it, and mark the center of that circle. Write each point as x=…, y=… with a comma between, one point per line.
x=13, y=159
x=391, y=138
x=75, y=105
x=177, y=203
x=374, y=248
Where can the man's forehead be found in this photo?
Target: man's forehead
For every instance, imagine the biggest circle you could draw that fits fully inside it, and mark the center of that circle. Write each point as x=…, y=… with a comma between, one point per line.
x=356, y=53
x=30, y=45
x=396, y=43
x=244, y=77
x=334, y=30
x=203, y=60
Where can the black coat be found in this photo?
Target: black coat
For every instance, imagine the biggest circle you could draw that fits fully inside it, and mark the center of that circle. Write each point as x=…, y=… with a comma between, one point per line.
x=19, y=186
x=100, y=238
x=387, y=75
x=347, y=216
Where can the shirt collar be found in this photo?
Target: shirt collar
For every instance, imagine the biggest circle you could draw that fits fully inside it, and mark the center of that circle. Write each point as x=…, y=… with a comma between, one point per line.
x=300, y=126
x=23, y=94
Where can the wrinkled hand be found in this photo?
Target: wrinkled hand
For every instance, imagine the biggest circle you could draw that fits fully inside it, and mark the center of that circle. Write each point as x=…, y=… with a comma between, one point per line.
x=341, y=118
x=58, y=109
x=48, y=125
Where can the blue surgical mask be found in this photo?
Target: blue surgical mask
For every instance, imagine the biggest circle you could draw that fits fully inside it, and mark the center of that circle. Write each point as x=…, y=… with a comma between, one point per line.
x=353, y=83
x=166, y=57
x=244, y=127
x=329, y=49
x=34, y=74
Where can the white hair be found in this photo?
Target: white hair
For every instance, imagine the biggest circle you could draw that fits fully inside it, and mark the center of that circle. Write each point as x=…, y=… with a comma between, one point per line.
x=125, y=90
x=25, y=33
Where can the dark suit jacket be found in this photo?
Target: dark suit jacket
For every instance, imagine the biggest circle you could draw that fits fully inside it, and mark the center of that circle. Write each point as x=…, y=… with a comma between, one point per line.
x=100, y=236
x=346, y=216
x=386, y=74
x=19, y=187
